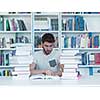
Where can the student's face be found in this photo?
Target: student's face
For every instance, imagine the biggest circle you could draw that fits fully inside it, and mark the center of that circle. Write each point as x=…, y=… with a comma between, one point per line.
x=47, y=47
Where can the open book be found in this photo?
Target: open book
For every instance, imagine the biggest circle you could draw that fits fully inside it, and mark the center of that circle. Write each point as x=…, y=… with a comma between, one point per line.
x=44, y=77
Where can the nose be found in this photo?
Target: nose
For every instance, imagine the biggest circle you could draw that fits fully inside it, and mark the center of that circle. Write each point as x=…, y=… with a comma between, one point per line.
x=49, y=48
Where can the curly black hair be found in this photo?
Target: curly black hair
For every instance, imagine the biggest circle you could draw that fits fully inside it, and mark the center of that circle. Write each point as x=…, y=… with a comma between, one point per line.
x=48, y=37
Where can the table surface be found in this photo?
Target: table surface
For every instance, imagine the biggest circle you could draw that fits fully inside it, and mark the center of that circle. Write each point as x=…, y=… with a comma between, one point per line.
x=25, y=81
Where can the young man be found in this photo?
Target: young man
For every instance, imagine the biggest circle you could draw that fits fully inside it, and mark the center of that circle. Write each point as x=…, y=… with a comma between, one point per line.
x=46, y=61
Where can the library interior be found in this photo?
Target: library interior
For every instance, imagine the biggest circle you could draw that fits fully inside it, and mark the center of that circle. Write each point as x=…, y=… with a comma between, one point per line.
x=77, y=39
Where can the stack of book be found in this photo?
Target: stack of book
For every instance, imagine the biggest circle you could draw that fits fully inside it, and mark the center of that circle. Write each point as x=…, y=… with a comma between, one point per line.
x=41, y=24
x=70, y=59
x=21, y=59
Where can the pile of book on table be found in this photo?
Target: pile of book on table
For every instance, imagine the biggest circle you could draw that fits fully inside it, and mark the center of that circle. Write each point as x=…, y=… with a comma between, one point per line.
x=70, y=59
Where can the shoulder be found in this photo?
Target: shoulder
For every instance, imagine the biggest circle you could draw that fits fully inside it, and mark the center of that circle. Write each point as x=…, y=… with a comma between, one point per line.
x=38, y=53
x=56, y=53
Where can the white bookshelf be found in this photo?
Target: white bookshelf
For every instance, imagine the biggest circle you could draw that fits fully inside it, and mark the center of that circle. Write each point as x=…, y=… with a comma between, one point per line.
x=91, y=20
x=42, y=19
x=20, y=35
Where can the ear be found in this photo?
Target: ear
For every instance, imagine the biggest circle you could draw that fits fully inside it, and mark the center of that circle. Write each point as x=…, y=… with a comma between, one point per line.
x=42, y=45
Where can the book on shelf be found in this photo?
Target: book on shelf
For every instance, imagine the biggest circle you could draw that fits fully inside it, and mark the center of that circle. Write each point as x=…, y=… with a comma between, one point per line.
x=85, y=40
x=79, y=23
x=38, y=42
x=6, y=72
x=73, y=23
x=91, y=59
x=94, y=59
x=54, y=24
x=97, y=58
x=1, y=23
x=84, y=58
x=4, y=58
x=6, y=42
x=13, y=24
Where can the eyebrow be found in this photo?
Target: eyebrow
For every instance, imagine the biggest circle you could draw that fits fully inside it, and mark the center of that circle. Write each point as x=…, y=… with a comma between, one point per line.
x=48, y=45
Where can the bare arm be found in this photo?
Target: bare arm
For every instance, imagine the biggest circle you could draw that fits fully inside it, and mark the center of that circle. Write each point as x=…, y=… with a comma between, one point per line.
x=59, y=73
x=34, y=71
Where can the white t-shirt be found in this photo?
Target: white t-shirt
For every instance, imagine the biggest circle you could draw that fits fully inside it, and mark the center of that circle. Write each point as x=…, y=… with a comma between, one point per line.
x=49, y=62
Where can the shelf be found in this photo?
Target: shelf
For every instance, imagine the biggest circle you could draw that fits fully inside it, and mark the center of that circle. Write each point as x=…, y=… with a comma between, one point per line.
x=20, y=65
x=33, y=30
x=9, y=49
x=46, y=31
x=15, y=32
x=90, y=15
x=15, y=15
x=21, y=44
x=83, y=49
x=46, y=14
x=86, y=66
x=80, y=31
x=42, y=48
x=6, y=66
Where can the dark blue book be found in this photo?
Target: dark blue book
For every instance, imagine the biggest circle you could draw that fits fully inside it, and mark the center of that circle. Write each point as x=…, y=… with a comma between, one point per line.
x=79, y=23
x=70, y=24
x=84, y=58
x=65, y=43
x=96, y=41
x=90, y=38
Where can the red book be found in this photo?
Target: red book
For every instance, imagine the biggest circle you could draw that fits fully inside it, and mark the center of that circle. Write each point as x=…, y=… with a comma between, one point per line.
x=97, y=58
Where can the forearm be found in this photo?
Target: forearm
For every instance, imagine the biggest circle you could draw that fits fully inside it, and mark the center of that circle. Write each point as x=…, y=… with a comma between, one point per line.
x=34, y=72
x=58, y=73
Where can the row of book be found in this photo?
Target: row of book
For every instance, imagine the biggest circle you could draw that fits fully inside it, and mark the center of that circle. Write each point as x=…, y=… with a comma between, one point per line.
x=12, y=24
x=6, y=42
x=22, y=39
x=6, y=72
x=91, y=58
x=80, y=41
x=73, y=23
x=46, y=24
x=15, y=25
